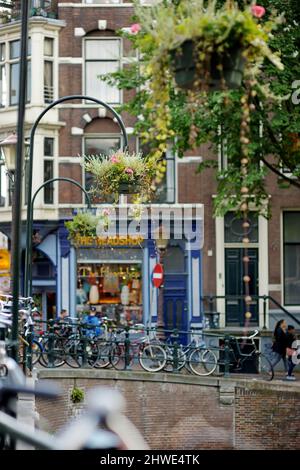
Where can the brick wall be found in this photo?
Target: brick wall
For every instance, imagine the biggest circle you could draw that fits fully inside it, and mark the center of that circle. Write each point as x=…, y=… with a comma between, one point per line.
x=190, y=413
x=267, y=420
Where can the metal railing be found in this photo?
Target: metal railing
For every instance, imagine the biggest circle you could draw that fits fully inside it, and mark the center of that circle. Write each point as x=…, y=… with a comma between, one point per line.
x=213, y=315
x=128, y=348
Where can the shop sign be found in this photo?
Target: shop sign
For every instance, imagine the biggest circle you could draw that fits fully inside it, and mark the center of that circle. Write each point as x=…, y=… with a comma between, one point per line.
x=158, y=275
x=4, y=261
x=108, y=241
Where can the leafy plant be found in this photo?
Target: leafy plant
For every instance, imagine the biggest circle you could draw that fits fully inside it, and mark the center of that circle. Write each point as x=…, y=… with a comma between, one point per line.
x=77, y=395
x=83, y=224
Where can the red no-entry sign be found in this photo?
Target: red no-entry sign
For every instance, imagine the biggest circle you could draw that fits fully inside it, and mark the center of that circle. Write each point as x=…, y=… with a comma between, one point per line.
x=158, y=275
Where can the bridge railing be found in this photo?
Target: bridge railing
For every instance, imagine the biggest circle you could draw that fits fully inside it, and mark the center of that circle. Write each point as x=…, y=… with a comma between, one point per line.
x=76, y=344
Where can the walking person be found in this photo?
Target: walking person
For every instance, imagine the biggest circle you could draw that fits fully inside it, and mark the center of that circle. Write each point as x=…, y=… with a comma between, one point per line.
x=279, y=344
x=291, y=338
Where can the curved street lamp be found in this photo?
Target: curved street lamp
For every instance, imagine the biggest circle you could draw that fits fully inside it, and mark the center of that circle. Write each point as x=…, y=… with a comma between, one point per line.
x=30, y=169
x=30, y=220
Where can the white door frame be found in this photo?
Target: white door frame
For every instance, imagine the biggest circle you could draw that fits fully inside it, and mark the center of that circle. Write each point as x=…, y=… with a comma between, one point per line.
x=263, y=266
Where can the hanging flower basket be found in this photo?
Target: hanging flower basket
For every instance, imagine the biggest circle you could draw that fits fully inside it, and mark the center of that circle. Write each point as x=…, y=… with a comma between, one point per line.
x=120, y=173
x=223, y=69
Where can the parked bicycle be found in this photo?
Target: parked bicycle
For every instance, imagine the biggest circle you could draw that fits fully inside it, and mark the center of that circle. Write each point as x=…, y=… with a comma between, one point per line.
x=101, y=426
x=240, y=350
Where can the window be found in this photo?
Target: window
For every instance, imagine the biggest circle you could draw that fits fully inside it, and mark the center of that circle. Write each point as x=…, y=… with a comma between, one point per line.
x=3, y=185
x=102, y=56
x=114, y=288
x=9, y=73
x=222, y=149
x=234, y=232
x=101, y=2
x=96, y=146
x=165, y=190
x=291, y=255
x=48, y=70
x=14, y=72
x=48, y=169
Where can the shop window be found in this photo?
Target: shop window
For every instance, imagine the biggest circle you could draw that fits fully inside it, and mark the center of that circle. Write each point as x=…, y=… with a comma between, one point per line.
x=42, y=268
x=115, y=289
x=102, y=56
x=291, y=253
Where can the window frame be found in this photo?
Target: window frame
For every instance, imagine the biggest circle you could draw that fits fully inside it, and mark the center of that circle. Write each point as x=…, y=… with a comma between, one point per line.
x=97, y=136
x=49, y=158
x=7, y=64
x=85, y=61
x=49, y=59
x=284, y=244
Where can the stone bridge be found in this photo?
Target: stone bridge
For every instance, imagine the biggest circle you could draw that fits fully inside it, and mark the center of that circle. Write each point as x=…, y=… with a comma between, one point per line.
x=176, y=411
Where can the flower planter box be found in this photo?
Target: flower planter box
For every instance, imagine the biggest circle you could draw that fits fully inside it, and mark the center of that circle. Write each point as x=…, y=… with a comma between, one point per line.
x=185, y=70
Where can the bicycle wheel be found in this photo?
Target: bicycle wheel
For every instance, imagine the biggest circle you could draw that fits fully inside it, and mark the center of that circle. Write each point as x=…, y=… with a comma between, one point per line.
x=202, y=362
x=264, y=367
x=118, y=357
x=170, y=362
x=103, y=359
x=36, y=352
x=152, y=358
x=73, y=353
x=92, y=353
x=52, y=356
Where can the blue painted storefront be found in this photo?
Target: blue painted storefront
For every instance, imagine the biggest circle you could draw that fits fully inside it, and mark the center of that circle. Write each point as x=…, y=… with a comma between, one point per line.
x=182, y=283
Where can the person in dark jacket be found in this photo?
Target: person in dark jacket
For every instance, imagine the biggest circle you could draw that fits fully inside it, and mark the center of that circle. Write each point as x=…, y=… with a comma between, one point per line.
x=279, y=344
x=290, y=342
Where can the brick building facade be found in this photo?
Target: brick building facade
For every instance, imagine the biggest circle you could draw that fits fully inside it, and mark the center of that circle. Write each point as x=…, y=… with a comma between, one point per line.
x=71, y=45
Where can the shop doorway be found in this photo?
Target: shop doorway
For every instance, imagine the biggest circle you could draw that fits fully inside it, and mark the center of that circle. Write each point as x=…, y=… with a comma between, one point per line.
x=175, y=291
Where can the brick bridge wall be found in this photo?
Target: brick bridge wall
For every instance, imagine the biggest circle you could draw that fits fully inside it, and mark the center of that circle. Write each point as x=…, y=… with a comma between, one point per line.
x=182, y=412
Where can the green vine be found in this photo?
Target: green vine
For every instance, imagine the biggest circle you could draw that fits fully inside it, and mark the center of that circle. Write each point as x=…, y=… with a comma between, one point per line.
x=77, y=395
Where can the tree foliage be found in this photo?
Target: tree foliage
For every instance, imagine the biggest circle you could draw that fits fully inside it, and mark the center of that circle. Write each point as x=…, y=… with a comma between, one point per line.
x=274, y=127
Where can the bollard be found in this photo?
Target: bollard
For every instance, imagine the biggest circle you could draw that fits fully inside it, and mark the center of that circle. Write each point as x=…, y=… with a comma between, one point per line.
x=28, y=357
x=175, y=352
x=84, y=343
x=265, y=312
x=127, y=349
x=51, y=341
x=227, y=356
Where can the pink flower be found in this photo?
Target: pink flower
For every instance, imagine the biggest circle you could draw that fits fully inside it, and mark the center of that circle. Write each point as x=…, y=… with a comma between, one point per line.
x=106, y=212
x=135, y=28
x=258, y=11
x=114, y=159
x=129, y=171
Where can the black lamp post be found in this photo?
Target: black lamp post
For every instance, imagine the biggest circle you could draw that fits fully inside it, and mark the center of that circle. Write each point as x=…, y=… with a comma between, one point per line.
x=161, y=243
x=18, y=174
